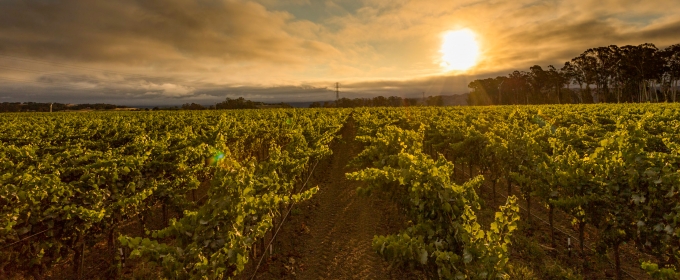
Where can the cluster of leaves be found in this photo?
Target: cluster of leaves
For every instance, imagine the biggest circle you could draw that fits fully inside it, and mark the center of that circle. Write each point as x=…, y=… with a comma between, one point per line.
x=660, y=273
x=214, y=240
x=445, y=239
x=71, y=179
x=614, y=167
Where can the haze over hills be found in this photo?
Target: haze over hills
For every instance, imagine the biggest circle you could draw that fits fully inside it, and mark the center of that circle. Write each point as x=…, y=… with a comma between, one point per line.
x=241, y=103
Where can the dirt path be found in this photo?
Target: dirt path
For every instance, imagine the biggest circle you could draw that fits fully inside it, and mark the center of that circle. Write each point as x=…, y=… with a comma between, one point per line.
x=330, y=236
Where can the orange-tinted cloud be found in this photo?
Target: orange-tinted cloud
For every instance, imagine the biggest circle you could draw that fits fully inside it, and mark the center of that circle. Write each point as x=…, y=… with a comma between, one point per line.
x=172, y=51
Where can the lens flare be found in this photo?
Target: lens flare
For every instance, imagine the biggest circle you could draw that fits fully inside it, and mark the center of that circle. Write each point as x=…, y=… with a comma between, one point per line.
x=217, y=157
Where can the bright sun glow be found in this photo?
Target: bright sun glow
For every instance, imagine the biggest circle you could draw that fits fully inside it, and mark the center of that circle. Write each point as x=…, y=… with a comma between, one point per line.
x=460, y=50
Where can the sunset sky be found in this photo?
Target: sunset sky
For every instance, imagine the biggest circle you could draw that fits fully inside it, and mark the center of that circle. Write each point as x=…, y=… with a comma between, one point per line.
x=169, y=52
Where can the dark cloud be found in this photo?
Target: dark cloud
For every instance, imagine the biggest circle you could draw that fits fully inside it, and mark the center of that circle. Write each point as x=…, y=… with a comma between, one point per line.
x=557, y=41
x=288, y=93
x=139, y=52
x=157, y=94
x=664, y=35
x=149, y=31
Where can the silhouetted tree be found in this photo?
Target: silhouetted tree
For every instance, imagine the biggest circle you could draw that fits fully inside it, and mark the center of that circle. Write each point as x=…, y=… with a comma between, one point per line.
x=640, y=73
x=192, y=106
x=315, y=105
x=239, y=103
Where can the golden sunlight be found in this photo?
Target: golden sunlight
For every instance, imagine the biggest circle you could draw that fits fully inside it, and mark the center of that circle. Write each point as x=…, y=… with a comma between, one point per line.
x=460, y=50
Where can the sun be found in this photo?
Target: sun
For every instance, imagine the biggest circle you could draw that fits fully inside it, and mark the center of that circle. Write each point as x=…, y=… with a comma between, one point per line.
x=460, y=50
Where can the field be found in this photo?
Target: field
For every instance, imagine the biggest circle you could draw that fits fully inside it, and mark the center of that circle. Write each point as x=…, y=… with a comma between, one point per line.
x=518, y=192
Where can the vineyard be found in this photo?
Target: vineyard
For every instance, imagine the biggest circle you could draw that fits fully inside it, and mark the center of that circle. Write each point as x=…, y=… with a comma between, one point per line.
x=224, y=194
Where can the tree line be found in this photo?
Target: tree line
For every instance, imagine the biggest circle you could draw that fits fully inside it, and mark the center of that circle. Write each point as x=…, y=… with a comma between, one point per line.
x=45, y=107
x=380, y=101
x=229, y=103
x=613, y=74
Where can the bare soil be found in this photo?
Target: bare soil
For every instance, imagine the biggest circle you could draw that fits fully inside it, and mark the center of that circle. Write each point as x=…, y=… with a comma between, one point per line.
x=329, y=237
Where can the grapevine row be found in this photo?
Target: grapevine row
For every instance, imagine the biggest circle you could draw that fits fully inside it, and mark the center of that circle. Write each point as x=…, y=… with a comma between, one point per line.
x=615, y=167
x=80, y=178
x=445, y=240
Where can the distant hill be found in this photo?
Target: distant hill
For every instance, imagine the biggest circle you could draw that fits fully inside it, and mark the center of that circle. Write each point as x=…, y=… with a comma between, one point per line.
x=56, y=107
x=304, y=104
x=449, y=100
x=455, y=100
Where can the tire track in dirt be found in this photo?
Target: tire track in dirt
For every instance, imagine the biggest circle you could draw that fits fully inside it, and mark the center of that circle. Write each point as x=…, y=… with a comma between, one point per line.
x=330, y=238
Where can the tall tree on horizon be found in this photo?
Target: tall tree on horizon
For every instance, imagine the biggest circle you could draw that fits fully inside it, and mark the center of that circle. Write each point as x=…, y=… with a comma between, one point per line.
x=671, y=76
x=641, y=73
x=570, y=77
x=538, y=80
x=584, y=71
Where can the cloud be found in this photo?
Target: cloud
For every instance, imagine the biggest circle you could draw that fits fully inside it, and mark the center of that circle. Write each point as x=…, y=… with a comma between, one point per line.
x=151, y=31
x=170, y=51
x=552, y=32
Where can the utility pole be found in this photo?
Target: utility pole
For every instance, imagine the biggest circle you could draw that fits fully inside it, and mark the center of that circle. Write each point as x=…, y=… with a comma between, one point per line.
x=337, y=91
x=51, y=107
